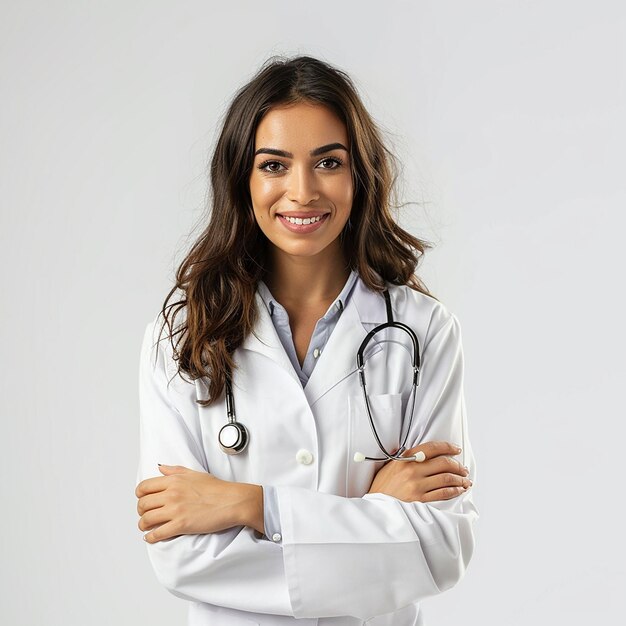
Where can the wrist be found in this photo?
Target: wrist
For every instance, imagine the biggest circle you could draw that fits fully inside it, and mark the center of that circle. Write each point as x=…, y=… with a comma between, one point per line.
x=251, y=511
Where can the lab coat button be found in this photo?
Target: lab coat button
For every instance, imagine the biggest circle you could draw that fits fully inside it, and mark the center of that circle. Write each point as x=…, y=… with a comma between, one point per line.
x=276, y=537
x=304, y=456
x=316, y=353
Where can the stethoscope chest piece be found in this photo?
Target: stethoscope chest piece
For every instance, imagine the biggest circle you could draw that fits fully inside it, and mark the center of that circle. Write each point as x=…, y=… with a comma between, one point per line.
x=233, y=438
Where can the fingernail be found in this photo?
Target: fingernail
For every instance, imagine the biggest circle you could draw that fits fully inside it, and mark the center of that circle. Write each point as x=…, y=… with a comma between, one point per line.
x=159, y=464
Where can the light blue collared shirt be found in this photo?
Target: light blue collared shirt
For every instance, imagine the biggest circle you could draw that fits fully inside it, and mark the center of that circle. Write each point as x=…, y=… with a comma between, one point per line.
x=321, y=333
x=323, y=328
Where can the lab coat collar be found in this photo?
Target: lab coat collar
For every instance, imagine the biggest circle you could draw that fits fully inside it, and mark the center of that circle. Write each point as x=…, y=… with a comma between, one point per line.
x=264, y=339
x=338, y=359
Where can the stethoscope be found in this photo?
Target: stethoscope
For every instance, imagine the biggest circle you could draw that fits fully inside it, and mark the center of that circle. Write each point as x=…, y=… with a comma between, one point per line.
x=234, y=437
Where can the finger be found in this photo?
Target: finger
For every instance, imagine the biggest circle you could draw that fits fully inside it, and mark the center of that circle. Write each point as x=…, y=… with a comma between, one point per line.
x=149, y=502
x=443, y=464
x=166, y=531
x=151, y=485
x=447, y=493
x=173, y=469
x=443, y=481
x=435, y=448
x=154, y=518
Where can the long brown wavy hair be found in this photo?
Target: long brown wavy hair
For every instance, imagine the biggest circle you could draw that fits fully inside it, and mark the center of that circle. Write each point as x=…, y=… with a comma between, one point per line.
x=217, y=279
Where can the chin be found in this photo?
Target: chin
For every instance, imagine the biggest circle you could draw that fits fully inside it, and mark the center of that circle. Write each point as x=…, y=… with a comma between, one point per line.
x=303, y=249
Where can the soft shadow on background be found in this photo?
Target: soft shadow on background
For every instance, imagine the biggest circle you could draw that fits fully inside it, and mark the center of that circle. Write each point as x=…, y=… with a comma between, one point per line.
x=510, y=121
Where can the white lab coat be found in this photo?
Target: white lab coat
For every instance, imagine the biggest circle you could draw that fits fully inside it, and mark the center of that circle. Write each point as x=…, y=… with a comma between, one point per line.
x=346, y=557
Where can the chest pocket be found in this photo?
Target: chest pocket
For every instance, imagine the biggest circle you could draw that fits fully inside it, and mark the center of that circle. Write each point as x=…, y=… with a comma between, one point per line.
x=387, y=414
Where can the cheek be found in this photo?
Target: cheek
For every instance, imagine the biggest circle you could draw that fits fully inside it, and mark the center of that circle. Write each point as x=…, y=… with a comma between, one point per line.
x=260, y=213
x=262, y=203
x=263, y=190
x=344, y=203
x=344, y=192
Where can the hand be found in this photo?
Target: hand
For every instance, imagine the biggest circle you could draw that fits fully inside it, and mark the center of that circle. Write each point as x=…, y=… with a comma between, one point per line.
x=187, y=502
x=438, y=477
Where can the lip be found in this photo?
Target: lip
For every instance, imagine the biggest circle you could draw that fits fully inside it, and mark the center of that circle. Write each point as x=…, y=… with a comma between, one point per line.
x=304, y=214
x=302, y=228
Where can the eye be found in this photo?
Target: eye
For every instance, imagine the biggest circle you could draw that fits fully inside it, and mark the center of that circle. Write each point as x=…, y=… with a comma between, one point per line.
x=272, y=167
x=265, y=164
x=338, y=162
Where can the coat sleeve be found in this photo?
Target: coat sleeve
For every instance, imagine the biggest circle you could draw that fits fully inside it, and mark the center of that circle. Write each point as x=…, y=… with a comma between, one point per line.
x=375, y=554
x=235, y=568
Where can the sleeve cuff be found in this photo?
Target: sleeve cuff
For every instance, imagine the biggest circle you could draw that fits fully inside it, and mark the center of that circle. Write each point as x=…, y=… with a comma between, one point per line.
x=271, y=514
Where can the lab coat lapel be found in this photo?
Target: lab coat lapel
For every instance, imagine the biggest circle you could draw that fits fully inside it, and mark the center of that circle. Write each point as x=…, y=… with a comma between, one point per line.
x=264, y=339
x=338, y=359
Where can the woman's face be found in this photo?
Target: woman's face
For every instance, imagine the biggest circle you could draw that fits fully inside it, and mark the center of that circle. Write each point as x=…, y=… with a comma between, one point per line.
x=302, y=171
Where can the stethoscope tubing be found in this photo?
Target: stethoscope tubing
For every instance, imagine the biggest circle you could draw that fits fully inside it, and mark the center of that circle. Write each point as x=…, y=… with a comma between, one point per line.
x=233, y=437
x=416, y=364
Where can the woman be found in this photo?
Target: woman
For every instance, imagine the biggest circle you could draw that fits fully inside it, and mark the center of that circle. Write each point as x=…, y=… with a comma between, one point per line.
x=281, y=522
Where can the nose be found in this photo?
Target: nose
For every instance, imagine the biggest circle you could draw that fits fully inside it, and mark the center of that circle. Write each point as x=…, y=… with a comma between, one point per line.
x=302, y=186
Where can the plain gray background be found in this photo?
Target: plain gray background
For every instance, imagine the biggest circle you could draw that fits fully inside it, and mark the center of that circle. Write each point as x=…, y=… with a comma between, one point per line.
x=509, y=118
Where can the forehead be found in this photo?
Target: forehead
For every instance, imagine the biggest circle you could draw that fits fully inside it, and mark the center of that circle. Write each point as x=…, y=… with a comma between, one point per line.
x=302, y=125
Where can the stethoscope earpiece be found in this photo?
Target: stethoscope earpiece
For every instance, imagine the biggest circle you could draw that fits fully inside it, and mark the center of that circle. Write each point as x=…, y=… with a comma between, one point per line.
x=359, y=457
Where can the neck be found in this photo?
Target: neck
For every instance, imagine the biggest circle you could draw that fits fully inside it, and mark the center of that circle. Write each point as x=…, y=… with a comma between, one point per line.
x=301, y=281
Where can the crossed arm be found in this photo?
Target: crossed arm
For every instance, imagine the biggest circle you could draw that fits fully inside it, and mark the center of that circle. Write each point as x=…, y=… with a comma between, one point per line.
x=184, y=501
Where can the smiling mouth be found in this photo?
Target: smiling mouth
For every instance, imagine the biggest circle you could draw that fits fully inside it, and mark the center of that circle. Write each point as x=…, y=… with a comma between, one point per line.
x=303, y=220
x=303, y=225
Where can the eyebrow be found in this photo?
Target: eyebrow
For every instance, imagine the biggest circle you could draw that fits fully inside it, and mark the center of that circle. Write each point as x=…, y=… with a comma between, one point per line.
x=289, y=155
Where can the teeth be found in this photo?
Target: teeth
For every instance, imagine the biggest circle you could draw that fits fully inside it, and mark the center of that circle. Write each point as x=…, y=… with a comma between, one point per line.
x=306, y=220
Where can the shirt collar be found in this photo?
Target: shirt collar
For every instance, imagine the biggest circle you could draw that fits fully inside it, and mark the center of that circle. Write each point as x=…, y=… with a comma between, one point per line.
x=339, y=303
